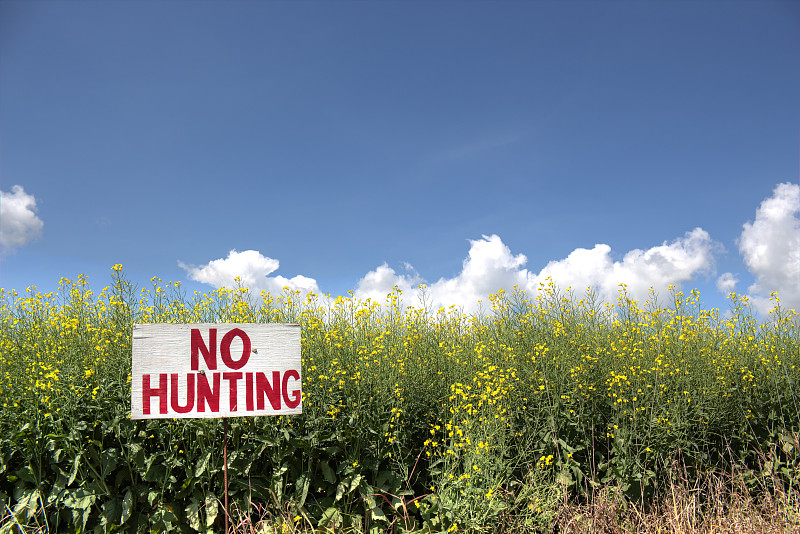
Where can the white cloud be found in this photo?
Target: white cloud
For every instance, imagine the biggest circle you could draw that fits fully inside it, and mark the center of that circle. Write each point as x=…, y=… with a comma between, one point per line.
x=657, y=267
x=377, y=284
x=19, y=223
x=490, y=266
x=770, y=247
x=252, y=268
x=726, y=283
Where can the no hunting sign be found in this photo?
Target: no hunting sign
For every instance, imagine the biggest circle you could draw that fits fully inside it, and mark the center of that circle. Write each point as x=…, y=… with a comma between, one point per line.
x=215, y=370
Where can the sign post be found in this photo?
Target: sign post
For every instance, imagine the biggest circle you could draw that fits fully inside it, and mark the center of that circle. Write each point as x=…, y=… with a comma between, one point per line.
x=213, y=370
x=225, y=468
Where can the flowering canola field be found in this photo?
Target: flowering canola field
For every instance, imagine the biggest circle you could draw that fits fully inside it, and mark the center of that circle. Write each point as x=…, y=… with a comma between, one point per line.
x=414, y=419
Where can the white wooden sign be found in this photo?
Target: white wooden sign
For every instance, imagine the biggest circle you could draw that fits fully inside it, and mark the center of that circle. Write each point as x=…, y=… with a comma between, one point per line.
x=215, y=370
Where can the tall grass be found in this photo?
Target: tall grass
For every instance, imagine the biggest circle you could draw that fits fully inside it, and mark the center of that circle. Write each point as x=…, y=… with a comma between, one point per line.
x=414, y=418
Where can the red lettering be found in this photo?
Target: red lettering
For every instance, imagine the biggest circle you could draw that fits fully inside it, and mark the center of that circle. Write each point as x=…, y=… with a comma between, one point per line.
x=206, y=394
x=148, y=392
x=198, y=345
x=232, y=378
x=248, y=381
x=296, y=395
x=225, y=349
x=174, y=393
x=272, y=392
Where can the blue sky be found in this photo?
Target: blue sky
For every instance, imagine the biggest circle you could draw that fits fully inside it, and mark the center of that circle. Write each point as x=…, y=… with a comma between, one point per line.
x=359, y=145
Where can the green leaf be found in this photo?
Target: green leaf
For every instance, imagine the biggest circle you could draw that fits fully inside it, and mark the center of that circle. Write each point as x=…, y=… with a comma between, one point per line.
x=111, y=511
x=108, y=460
x=200, y=468
x=74, y=471
x=388, y=479
x=397, y=503
x=330, y=517
x=78, y=499
x=327, y=472
x=193, y=515
x=58, y=486
x=28, y=501
x=84, y=515
x=137, y=456
x=212, y=510
x=156, y=470
x=377, y=514
x=564, y=478
x=368, y=494
x=301, y=486
x=166, y=517
x=565, y=446
x=354, y=483
x=26, y=473
x=279, y=471
x=127, y=506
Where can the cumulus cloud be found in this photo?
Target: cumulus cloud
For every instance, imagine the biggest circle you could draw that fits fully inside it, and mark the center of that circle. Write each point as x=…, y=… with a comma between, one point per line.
x=770, y=248
x=377, y=284
x=677, y=262
x=726, y=283
x=19, y=223
x=490, y=266
x=252, y=268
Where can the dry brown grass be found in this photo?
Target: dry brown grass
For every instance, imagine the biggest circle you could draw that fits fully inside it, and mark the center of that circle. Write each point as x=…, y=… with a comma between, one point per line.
x=716, y=506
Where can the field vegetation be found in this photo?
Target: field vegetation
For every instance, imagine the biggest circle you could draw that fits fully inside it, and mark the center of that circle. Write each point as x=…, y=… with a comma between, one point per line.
x=547, y=412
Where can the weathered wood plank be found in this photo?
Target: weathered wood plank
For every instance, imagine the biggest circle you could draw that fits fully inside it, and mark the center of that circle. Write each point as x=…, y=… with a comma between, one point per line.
x=215, y=370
